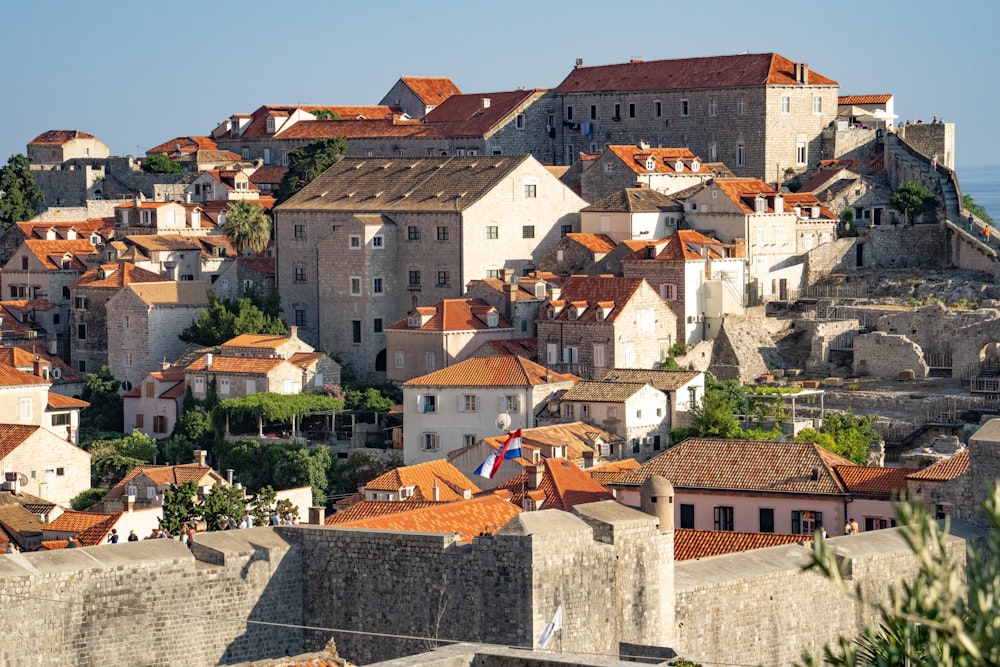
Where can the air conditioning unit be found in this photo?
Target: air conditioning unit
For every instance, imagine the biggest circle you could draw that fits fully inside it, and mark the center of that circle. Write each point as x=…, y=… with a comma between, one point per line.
x=8, y=486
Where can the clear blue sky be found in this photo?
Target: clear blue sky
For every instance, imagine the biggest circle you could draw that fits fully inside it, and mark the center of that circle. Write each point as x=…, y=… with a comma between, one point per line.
x=137, y=73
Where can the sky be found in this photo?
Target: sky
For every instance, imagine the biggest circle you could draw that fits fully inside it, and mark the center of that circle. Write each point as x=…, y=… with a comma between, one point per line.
x=136, y=74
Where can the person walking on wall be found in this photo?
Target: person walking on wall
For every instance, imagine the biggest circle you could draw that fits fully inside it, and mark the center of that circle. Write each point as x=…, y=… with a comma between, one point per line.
x=855, y=529
x=934, y=161
x=848, y=527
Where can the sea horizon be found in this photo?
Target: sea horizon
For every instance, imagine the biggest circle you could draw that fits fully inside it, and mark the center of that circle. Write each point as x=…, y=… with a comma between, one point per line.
x=982, y=182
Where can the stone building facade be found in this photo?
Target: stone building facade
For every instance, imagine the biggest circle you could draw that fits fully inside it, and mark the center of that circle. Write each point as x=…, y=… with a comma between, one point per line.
x=757, y=113
x=370, y=240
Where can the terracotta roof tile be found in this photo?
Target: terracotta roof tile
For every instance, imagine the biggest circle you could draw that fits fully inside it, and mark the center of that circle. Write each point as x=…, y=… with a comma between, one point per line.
x=161, y=475
x=578, y=437
x=710, y=72
x=51, y=253
x=90, y=528
x=499, y=371
x=874, y=480
x=11, y=377
x=739, y=190
x=59, y=137
x=862, y=99
x=367, y=509
x=455, y=315
x=593, y=242
x=942, y=471
x=19, y=519
x=60, y=402
x=693, y=544
x=465, y=115
x=431, y=90
x=186, y=293
x=163, y=242
x=608, y=392
x=563, y=485
x=424, y=477
x=260, y=341
x=116, y=275
x=664, y=160
x=270, y=174
x=662, y=380
x=745, y=465
x=611, y=471
x=524, y=347
x=467, y=517
x=246, y=365
x=262, y=265
x=594, y=289
x=184, y=145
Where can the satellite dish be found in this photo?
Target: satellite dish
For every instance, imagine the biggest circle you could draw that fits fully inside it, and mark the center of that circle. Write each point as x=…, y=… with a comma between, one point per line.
x=503, y=421
x=22, y=479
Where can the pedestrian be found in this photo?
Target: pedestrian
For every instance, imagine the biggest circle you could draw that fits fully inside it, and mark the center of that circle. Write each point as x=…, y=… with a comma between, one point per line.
x=71, y=543
x=132, y=537
x=848, y=528
x=934, y=161
x=113, y=537
x=822, y=532
x=190, y=534
x=986, y=233
x=972, y=222
x=855, y=529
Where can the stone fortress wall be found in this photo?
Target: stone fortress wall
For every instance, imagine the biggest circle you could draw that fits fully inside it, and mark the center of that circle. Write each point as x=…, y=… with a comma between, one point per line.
x=244, y=595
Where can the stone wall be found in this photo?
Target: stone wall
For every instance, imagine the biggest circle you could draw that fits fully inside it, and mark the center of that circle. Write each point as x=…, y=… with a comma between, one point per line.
x=744, y=350
x=886, y=355
x=931, y=138
x=883, y=247
x=822, y=333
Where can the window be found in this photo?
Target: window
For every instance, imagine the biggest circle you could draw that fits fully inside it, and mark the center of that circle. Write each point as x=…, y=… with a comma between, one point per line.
x=800, y=152
x=668, y=292
x=657, y=108
x=400, y=358
x=413, y=233
x=355, y=285
x=414, y=278
x=724, y=518
x=430, y=442
x=300, y=231
x=571, y=354
x=300, y=274
x=519, y=121
x=377, y=325
x=530, y=190
x=61, y=419
x=492, y=232
x=569, y=113
x=528, y=232
x=551, y=353
x=300, y=317
x=81, y=331
x=761, y=236
x=355, y=241
x=584, y=412
x=692, y=396
x=469, y=439
x=378, y=241
x=766, y=520
x=817, y=104
x=24, y=409
x=713, y=108
x=24, y=263
x=612, y=413
x=470, y=403
x=376, y=285
x=599, y=356
x=140, y=422
x=511, y=403
x=786, y=105
x=618, y=112
x=356, y=331
x=687, y=516
x=159, y=424
x=127, y=359
x=631, y=110
x=740, y=107
x=127, y=320
x=81, y=302
x=442, y=233
x=806, y=522
x=493, y=273
x=251, y=387
x=685, y=107
x=565, y=229
x=593, y=112
x=568, y=411
x=81, y=366
x=224, y=386
x=443, y=278
x=427, y=403
x=741, y=150
x=430, y=362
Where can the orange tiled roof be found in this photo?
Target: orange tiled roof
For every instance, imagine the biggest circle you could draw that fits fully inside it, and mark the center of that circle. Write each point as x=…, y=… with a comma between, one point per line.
x=563, y=485
x=431, y=90
x=846, y=100
x=424, y=477
x=873, y=480
x=593, y=242
x=683, y=245
x=161, y=475
x=746, y=465
x=367, y=509
x=19, y=519
x=37, y=229
x=499, y=371
x=465, y=115
x=466, y=517
x=665, y=159
x=12, y=435
x=595, y=289
x=262, y=341
x=455, y=315
x=117, y=274
x=942, y=471
x=23, y=355
x=806, y=199
x=693, y=544
x=740, y=189
x=305, y=359
x=243, y=365
x=59, y=137
x=11, y=377
x=752, y=70
x=271, y=174
x=185, y=145
x=60, y=402
x=611, y=471
x=170, y=293
x=72, y=521
x=50, y=253
x=579, y=437
x=662, y=380
x=605, y=392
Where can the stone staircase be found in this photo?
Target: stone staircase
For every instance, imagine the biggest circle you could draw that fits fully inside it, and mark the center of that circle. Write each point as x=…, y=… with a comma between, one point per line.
x=946, y=185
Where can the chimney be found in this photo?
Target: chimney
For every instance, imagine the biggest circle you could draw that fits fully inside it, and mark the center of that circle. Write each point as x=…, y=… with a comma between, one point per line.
x=129, y=502
x=36, y=365
x=187, y=197
x=201, y=456
x=317, y=516
x=579, y=63
x=229, y=476
x=208, y=361
x=436, y=492
x=534, y=473
x=293, y=331
x=164, y=365
x=486, y=103
x=643, y=146
x=588, y=459
x=510, y=298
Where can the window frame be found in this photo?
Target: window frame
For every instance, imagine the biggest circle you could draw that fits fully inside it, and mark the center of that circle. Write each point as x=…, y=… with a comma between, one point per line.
x=492, y=232
x=724, y=518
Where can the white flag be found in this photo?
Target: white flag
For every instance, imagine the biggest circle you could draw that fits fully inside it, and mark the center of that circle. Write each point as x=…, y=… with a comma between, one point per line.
x=550, y=629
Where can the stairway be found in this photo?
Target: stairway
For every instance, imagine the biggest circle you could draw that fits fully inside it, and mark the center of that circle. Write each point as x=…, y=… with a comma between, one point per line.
x=945, y=187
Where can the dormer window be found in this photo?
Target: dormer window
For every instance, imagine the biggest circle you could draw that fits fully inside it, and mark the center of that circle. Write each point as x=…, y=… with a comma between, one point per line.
x=760, y=205
x=406, y=492
x=679, y=166
x=270, y=124
x=650, y=163
x=492, y=319
x=413, y=322
x=539, y=290
x=695, y=165
x=67, y=262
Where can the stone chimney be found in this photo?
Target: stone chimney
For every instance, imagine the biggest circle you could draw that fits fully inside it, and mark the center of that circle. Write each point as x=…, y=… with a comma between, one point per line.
x=588, y=459
x=201, y=457
x=486, y=103
x=535, y=474
x=317, y=516
x=229, y=476
x=510, y=295
x=802, y=73
x=293, y=332
x=129, y=503
x=36, y=365
x=208, y=361
x=436, y=492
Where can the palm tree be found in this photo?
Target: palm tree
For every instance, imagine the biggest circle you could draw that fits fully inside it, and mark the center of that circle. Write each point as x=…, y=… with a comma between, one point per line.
x=247, y=225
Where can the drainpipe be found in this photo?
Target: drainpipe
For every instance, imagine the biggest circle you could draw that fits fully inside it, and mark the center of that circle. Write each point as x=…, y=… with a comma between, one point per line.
x=847, y=499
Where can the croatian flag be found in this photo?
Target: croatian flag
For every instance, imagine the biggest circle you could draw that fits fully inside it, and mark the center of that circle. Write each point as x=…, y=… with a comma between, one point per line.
x=511, y=450
x=554, y=625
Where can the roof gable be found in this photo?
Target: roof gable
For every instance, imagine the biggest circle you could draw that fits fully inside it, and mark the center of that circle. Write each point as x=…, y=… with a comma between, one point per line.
x=495, y=371
x=432, y=91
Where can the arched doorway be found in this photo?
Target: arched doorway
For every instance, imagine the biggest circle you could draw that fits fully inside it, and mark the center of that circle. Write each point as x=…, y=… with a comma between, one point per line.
x=380, y=362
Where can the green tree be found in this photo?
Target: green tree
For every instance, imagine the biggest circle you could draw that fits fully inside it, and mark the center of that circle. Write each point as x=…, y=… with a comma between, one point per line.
x=179, y=505
x=714, y=417
x=344, y=476
x=20, y=196
x=194, y=430
x=248, y=226
x=263, y=506
x=87, y=499
x=325, y=114
x=970, y=205
x=224, y=319
x=112, y=458
x=308, y=162
x=105, y=411
x=932, y=620
x=159, y=163
x=848, y=435
x=912, y=199
x=220, y=503
x=370, y=399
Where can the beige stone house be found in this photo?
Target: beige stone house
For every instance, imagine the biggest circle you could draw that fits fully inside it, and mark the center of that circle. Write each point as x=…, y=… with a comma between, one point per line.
x=684, y=389
x=239, y=376
x=600, y=322
x=97, y=230
x=43, y=464
x=701, y=278
x=633, y=214
x=244, y=275
x=457, y=406
x=416, y=96
x=408, y=232
x=25, y=399
x=579, y=254
x=757, y=113
x=145, y=319
x=517, y=298
x=143, y=486
x=636, y=411
x=266, y=345
x=153, y=405
x=225, y=184
x=438, y=336
x=57, y=146
x=88, y=296
x=665, y=170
